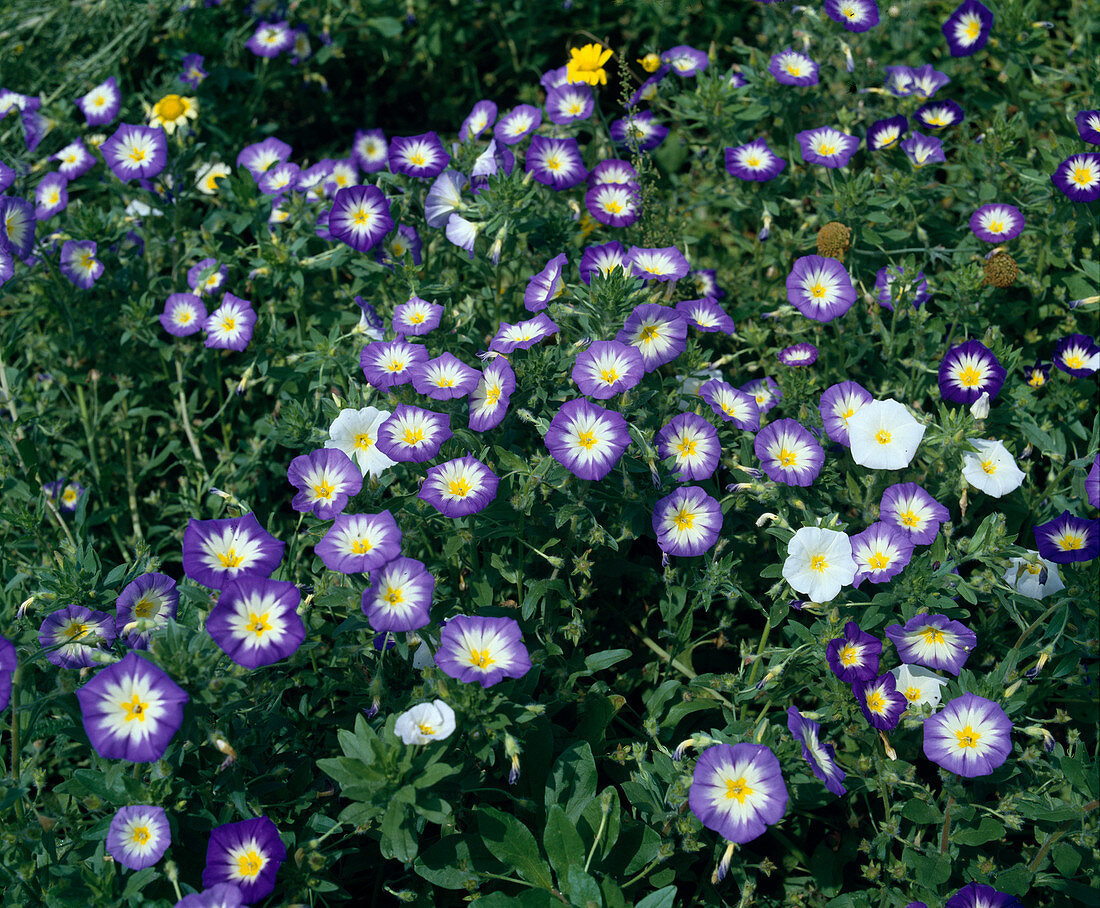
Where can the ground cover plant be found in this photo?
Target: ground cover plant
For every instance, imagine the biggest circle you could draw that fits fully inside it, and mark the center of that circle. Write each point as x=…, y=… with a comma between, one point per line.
x=622, y=454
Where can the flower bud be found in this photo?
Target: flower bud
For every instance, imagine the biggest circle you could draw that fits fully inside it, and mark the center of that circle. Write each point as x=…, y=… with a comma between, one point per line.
x=980, y=408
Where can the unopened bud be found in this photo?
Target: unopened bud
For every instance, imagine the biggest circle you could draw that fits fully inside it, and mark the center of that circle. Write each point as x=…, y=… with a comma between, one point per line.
x=980, y=408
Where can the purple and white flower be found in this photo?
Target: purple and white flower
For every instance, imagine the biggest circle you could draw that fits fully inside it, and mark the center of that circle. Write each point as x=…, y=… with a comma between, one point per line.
x=421, y=156
x=910, y=508
x=360, y=217
x=569, y=103
x=1077, y=355
x=607, y=368
x=517, y=124
x=217, y=552
x=545, y=286
x=967, y=28
x=788, y=453
x=136, y=152
x=658, y=332
x=73, y=635
x=820, y=288
x=411, y=434
x=523, y=335
x=79, y=263
x=638, y=132
x=997, y=223
x=229, y=327
x=789, y=67
x=480, y=118
x=685, y=61
x=614, y=204
x=855, y=656
x=694, y=443
x=854, y=15
x=969, y=370
x=602, y=260
x=687, y=522
x=556, y=163
x=940, y=114
x=881, y=551
x=147, y=602
x=880, y=702
x=357, y=543
x=737, y=790
x=387, y=364
x=138, y=836
x=101, y=105
x=827, y=146
x=51, y=196
x=970, y=737
x=706, y=315
x=731, y=405
x=489, y=400
x=255, y=621
x=798, y=355
x=260, y=157
x=444, y=378
x=754, y=161
x=886, y=133
x=934, y=641
x=1078, y=177
x=183, y=314
x=459, y=487
x=325, y=480
x=482, y=650
x=662, y=264
x=922, y=149
x=270, y=39
x=587, y=439
x=247, y=855
x=400, y=596
x=1068, y=538
x=131, y=710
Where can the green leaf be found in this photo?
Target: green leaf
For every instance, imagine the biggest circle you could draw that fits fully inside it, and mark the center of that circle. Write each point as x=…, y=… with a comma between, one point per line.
x=562, y=842
x=662, y=898
x=434, y=773
x=921, y=812
x=599, y=661
x=138, y=881
x=572, y=781
x=1014, y=881
x=989, y=830
x=1066, y=858
x=397, y=840
x=581, y=888
x=511, y=842
x=448, y=863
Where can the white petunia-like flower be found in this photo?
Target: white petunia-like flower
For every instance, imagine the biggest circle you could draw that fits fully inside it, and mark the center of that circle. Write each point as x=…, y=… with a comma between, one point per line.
x=991, y=468
x=1034, y=576
x=819, y=563
x=918, y=685
x=425, y=722
x=355, y=432
x=884, y=435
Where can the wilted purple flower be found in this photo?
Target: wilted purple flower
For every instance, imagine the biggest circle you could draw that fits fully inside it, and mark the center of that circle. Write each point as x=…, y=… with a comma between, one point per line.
x=545, y=286
x=820, y=756
x=916, y=294
x=73, y=634
x=151, y=599
x=193, y=73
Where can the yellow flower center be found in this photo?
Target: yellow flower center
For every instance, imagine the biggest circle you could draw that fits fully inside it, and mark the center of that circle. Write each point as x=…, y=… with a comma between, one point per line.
x=425, y=729
x=171, y=107
x=879, y=560
x=649, y=332
x=135, y=709
x=417, y=159
x=794, y=69
x=553, y=163
x=481, y=658
x=396, y=365
x=687, y=446
x=967, y=737
x=973, y=29
x=969, y=377
x=754, y=161
x=459, y=487
x=363, y=441
x=228, y=324
x=1073, y=361
x=361, y=546
x=417, y=318
x=258, y=623
x=250, y=863
x=737, y=790
x=817, y=291
x=140, y=835
x=323, y=489
x=586, y=440
x=912, y=694
x=1082, y=176
x=613, y=206
x=144, y=608
x=76, y=630
x=996, y=227
x=826, y=149
x=137, y=155
x=787, y=458
x=610, y=375
x=932, y=636
x=876, y=702
x=361, y=217
x=883, y=436
x=492, y=395
x=818, y=563
x=910, y=519
x=848, y=655
x=989, y=467
x=413, y=436
x=1070, y=542
x=393, y=595
x=230, y=559
x=684, y=519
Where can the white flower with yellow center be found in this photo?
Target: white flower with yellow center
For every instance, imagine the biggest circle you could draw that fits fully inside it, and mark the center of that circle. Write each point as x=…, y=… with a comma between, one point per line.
x=991, y=468
x=884, y=435
x=425, y=722
x=819, y=563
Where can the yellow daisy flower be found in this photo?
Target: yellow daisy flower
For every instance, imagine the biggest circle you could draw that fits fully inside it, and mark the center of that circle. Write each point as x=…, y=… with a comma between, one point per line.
x=172, y=111
x=586, y=64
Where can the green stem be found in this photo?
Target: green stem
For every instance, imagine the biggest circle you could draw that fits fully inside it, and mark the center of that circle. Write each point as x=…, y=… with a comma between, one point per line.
x=599, y=834
x=759, y=650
